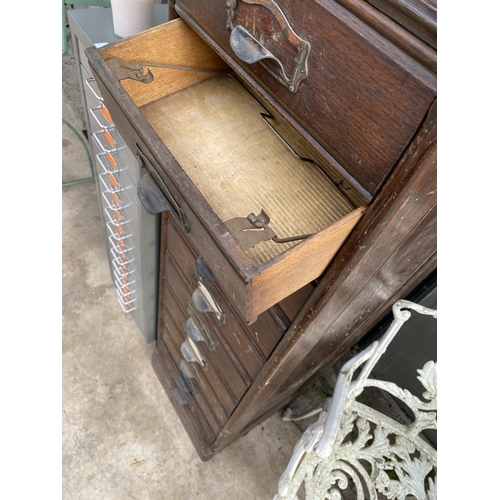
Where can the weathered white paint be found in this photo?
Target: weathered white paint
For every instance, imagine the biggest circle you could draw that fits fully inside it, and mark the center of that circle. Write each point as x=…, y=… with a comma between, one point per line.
x=354, y=446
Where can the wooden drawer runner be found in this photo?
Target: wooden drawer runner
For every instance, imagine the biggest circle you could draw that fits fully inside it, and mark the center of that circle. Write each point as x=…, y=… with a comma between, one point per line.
x=204, y=137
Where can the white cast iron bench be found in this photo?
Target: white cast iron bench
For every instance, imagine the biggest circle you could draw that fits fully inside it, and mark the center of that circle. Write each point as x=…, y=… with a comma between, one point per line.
x=355, y=449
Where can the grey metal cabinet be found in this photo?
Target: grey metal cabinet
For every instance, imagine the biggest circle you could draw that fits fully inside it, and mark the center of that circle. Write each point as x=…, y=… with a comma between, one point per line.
x=132, y=235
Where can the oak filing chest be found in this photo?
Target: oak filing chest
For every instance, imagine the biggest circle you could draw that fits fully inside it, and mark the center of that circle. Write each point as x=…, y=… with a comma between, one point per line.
x=290, y=148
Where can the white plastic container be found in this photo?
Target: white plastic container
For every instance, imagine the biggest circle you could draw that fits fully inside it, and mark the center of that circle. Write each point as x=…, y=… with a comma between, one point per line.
x=131, y=16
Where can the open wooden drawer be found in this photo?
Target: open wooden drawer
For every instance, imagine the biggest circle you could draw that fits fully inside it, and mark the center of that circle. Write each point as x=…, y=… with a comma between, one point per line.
x=216, y=154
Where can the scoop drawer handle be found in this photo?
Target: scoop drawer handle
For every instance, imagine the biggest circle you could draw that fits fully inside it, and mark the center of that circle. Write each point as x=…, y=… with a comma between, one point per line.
x=192, y=354
x=205, y=303
x=248, y=49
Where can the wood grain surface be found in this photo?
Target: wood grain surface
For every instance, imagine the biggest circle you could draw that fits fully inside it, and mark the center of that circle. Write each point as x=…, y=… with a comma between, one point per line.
x=216, y=132
x=363, y=98
x=391, y=250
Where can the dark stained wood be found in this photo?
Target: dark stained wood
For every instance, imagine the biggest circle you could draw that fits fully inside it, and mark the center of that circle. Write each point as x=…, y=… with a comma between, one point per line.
x=377, y=132
x=363, y=98
x=239, y=351
x=417, y=16
x=172, y=14
x=390, y=251
x=394, y=32
x=189, y=415
x=261, y=337
x=221, y=360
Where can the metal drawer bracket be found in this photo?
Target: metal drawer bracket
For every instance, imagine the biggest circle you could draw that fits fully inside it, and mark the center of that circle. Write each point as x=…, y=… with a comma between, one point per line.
x=135, y=71
x=123, y=70
x=253, y=229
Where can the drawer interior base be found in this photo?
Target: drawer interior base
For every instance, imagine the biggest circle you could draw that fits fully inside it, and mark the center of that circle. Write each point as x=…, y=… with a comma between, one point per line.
x=216, y=131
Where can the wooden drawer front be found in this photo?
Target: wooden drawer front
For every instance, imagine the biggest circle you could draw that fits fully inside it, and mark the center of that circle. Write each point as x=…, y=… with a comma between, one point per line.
x=362, y=99
x=251, y=345
x=216, y=400
x=216, y=357
x=190, y=407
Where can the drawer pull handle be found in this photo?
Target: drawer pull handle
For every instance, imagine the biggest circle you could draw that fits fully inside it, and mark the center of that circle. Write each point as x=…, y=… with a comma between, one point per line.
x=119, y=245
x=180, y=397
x=248, y=49
x=116, y=204
x=113, y=168
x=108, y=140
x=122, y=258
x=122, y=286
x=195, y=319
x=126, y=305
x=116, y=218
x=119, y=235
x=105, y=114
x=113, y=186
x=149, y=190
x=90, y=84
x=205, y=303
x=182, y=383
x=188, y=372
x=192, y=354
x=121, y=270
x=122, y=279
x=204, y=271
x=193, y=331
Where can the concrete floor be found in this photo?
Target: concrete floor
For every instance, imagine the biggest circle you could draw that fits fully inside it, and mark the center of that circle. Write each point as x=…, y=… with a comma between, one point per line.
x=121, y=438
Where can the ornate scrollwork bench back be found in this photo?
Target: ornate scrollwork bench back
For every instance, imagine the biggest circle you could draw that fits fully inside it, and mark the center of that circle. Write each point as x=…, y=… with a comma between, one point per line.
x=353, y=447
